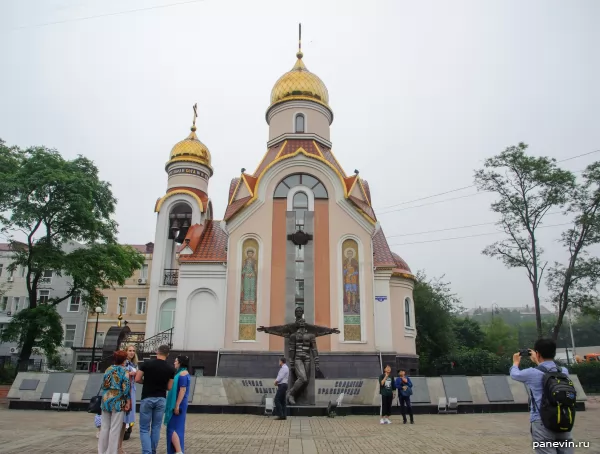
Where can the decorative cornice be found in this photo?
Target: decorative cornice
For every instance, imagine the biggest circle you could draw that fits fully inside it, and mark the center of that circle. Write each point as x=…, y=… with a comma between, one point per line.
x=299, y=136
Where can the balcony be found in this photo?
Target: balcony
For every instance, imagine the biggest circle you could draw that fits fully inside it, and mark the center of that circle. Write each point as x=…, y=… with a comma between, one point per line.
x=171, y=277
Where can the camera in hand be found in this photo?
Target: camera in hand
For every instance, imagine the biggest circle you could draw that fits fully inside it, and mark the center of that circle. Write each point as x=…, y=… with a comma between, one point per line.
x=524, y=352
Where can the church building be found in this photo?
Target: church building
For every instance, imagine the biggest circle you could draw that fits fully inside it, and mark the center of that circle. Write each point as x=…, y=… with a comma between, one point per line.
x=297, y=231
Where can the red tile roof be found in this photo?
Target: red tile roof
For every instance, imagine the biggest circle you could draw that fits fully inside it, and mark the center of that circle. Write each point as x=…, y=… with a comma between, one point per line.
x=251, y=180
x=235, y=207
x=401, y=264
x=364, y=206
x=382, y=255
x=349, y=181
x=367, y=189
x=232, y=186
x=212, y=245
x=193, y=237
x=269, y=158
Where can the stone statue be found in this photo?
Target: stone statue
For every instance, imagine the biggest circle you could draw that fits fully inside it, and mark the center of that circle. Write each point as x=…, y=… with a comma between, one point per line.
x=302, y=347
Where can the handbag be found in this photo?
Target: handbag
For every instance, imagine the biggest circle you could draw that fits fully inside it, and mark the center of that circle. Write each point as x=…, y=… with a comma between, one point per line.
x=95, y=405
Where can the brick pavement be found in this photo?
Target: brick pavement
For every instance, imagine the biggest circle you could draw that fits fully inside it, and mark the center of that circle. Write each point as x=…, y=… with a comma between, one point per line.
x=73, y=432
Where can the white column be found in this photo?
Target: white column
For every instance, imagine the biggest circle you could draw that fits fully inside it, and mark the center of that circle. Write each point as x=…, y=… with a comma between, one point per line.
x=382, y=311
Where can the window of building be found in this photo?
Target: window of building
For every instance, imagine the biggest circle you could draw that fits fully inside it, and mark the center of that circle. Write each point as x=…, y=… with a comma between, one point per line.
x=123, y=304
x=300, y=179
x=44, y=296
x=70, y=331
x=16, y=300
x=46, y=277
x=105, y=305
x=407, y=312
x=99, y=340
x=299, y=123
x=167, y=315
x=1, y=268
x=144, y=272
x=300, y=206
x=140, y=307
x=25, y=302
x=3, y=303
x=74, y=303
x=10, y=273
x=23, y=271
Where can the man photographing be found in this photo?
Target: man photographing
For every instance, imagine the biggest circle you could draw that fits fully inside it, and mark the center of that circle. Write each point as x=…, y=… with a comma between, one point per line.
x=552, y=397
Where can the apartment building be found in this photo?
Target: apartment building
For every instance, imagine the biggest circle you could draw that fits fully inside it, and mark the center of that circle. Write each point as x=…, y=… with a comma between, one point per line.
x=14, y=299
x=130, y=301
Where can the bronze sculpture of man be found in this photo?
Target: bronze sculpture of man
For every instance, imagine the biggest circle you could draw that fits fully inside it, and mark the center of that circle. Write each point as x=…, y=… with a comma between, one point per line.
x=302, y=348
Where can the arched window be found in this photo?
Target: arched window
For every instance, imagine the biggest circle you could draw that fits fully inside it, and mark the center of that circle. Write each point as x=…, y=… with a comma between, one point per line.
x=407, y=320
x=300, y=206
x=300, y=123
x=300, y=179
x=166, y=319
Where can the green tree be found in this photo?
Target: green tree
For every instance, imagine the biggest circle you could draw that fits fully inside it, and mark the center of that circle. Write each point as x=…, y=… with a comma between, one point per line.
x=51, y=201
x=500, y=338
x=528, y=187
x=576, y=282
x=435, y=307
x=468, y=333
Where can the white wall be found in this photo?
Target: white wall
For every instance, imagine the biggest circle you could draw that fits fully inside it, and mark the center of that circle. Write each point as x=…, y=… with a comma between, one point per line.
x=200, y=313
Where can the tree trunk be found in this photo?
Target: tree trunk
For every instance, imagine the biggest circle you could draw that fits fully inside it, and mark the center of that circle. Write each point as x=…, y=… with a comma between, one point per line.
x=26, y=350
x=538, y=315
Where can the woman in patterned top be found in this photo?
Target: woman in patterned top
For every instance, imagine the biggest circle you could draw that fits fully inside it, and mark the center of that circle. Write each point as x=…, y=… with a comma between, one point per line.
x=116, y=400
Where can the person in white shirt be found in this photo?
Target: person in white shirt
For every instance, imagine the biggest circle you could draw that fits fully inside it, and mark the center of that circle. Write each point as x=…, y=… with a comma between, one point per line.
x=282, y=385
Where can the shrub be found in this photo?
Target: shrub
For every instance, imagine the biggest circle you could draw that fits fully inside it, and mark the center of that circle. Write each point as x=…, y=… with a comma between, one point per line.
x=589, y=375
x=8, y=372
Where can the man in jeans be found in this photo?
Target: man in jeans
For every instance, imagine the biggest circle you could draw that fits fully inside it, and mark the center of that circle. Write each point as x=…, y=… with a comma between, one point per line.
x=542, y=354
x=282, y=385
x=157, y=377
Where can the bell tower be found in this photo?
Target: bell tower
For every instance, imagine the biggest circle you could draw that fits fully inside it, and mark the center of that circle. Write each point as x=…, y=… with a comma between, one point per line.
x=185, y=205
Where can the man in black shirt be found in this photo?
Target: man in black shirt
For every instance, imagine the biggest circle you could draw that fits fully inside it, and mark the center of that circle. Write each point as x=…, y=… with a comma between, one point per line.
x=157, y=377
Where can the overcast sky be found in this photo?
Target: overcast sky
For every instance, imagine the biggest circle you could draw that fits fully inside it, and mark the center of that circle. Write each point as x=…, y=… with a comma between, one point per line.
x=422, y=93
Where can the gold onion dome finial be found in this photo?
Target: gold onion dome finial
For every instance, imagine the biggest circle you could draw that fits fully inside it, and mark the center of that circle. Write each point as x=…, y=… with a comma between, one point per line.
x=191, y=149
x=300, y=83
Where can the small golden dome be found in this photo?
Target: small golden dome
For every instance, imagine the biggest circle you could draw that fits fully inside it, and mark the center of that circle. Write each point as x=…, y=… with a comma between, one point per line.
x=300, y=83
x=192, y=150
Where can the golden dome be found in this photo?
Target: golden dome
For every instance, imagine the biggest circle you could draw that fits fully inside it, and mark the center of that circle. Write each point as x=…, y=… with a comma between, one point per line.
x=191, y=149
x=300, y=83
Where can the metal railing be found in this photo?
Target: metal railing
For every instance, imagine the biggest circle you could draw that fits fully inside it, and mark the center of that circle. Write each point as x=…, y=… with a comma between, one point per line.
x=171, y=277
x=149, y=346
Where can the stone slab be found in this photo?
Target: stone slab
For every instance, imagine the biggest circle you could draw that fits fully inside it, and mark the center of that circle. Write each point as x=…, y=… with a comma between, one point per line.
x=420, y=390
x=581, y=396
x=192, y=389
x=29, y=385
x=478, y=390
x=77, y=387
x=58, y=382
x=518, y=390
x=436, y=389
x=92, y=387
x=16, y=393
x=497, y=388
x=457, y=386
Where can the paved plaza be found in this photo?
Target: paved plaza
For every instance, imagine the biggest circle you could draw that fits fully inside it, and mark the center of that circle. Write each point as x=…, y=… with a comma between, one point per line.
x=49, y=432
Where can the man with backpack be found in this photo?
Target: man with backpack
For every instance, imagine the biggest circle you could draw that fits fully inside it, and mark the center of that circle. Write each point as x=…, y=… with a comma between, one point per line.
x=552, y=396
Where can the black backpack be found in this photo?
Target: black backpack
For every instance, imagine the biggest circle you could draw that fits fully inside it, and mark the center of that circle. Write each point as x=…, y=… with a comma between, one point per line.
x=558, y=400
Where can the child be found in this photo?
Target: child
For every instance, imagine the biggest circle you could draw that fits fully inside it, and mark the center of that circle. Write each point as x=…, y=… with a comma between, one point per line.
x=98, y=423
x=387, y=386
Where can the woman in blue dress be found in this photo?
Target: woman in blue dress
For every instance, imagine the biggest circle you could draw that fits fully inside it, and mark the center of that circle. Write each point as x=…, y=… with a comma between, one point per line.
x=177, y=404
x=131, y=365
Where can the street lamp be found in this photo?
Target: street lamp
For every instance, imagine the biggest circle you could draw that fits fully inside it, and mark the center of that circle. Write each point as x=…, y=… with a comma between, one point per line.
x=98, y=311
